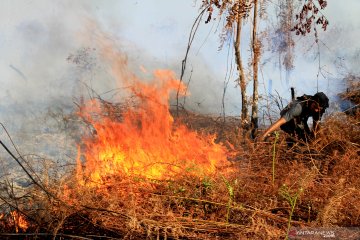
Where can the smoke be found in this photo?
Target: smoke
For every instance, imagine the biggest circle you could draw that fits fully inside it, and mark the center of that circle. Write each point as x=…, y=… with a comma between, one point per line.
x=38, y=84
x=34, y=73
x=41, y=80
x=38, y=77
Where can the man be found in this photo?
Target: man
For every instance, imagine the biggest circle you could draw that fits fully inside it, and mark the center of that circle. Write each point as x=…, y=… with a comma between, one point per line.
x=295, y=116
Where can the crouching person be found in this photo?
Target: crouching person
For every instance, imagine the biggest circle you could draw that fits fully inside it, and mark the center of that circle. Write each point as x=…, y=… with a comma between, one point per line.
x=295, y=116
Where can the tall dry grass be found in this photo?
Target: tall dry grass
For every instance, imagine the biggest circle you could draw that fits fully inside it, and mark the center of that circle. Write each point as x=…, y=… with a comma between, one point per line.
x=254, y=201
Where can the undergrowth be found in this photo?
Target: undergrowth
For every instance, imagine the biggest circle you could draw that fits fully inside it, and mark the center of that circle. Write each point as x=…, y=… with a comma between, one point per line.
x=313, y=185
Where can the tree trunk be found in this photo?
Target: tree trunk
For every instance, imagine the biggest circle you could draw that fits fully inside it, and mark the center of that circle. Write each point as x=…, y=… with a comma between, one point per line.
x=242, y=82
x=255, y=65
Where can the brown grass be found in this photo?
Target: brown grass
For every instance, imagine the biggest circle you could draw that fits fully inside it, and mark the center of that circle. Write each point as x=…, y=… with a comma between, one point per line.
x=246, y=204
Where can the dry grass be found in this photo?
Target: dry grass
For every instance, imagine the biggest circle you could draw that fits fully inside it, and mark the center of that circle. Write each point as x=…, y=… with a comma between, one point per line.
x=246, y=204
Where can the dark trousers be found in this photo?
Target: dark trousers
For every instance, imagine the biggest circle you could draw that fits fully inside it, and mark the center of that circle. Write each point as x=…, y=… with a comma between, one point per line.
x=296, y=133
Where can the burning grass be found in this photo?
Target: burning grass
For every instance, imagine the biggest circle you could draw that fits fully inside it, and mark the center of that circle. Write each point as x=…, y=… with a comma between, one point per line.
x=316, y=184
x=142, y=173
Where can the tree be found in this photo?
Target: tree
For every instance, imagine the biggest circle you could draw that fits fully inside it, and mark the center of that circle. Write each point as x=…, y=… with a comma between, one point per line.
x=235, y=12
x=283, y=43
x=255, y=63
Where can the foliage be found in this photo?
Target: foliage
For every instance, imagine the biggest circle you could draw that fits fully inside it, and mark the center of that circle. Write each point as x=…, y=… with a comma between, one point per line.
x=232, y=9
x=292, y=199
x=310, y=16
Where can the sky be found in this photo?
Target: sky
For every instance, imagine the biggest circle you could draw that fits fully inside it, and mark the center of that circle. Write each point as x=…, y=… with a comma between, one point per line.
x=37, y=37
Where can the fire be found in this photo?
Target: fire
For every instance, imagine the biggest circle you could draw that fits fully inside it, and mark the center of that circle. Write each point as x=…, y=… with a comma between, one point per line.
x=19, y=221
x=145, y=142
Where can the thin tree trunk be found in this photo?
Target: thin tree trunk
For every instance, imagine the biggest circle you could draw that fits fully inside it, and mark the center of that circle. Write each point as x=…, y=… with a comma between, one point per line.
x=242, y=82
x=256, y=58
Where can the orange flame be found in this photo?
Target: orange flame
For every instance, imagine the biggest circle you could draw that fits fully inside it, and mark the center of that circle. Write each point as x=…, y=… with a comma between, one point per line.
x=146, y=141
x=19, y=221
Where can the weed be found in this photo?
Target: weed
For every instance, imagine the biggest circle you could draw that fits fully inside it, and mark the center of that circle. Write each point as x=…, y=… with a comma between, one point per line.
x=285, y=192
x=231, y=197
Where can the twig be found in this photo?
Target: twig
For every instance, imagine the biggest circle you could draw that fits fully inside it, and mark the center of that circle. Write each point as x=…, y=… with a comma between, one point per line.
x=274, y=157
x=183, y=64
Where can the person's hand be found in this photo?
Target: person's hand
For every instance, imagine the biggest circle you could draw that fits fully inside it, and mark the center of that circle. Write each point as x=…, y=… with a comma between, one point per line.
x=262, y=137
x=265, y=137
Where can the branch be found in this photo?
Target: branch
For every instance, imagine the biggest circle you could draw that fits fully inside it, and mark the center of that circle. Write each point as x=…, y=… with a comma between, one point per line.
x=193, y=31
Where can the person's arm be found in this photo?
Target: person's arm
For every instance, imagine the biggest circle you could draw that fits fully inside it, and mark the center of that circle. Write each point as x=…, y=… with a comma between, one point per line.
x=273, y=127
x=287, y=114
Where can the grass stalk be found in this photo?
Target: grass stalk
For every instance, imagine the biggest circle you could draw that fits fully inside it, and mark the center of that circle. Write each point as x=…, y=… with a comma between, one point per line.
x=274, y=156
x=292, y=199
x=230, y=200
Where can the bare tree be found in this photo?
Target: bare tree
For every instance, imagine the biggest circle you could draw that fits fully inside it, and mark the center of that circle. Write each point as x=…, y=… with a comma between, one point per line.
x=284, y=44
x=235, y=12
x=242, y=80
x=255, y=65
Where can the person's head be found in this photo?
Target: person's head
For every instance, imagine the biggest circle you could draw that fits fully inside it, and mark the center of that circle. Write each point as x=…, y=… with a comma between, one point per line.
x=319, y=103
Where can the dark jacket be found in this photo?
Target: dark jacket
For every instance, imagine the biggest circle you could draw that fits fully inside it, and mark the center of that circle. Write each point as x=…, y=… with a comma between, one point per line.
x=297, y=114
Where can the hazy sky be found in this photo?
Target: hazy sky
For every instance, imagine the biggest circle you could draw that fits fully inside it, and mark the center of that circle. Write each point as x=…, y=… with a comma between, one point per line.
x=36, y=37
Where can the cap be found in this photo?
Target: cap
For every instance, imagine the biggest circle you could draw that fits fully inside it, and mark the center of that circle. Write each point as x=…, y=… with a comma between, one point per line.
x=322, y=99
